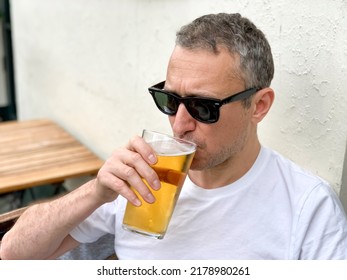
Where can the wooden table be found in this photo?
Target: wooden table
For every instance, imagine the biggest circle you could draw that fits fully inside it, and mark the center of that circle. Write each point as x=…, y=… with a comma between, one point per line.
x=38, y=152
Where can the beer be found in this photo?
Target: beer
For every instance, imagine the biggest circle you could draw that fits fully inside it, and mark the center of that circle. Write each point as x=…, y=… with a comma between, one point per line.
x=153, y=219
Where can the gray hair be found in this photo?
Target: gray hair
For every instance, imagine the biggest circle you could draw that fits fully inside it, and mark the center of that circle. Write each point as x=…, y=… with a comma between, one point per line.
x=239, y=36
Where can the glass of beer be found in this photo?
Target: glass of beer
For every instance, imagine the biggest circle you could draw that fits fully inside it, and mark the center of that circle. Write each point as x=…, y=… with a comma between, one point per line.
x=174, y=158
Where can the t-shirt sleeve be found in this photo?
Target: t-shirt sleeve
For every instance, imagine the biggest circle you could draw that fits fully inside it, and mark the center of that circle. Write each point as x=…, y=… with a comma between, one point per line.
x=322, y=226
x=99, y=223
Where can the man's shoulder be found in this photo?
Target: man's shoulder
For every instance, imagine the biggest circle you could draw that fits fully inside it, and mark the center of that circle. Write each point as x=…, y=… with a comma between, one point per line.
x=302, y=186
x=292, y=172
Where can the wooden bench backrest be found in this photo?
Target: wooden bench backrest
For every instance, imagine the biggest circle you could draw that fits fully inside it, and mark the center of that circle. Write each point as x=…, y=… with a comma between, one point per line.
x=8, y=219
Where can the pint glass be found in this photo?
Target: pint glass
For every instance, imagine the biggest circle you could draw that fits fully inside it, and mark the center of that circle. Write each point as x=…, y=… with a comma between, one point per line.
x=174, y=158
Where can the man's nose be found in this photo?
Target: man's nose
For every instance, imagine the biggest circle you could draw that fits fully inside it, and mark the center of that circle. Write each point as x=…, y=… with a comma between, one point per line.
x=182, y=122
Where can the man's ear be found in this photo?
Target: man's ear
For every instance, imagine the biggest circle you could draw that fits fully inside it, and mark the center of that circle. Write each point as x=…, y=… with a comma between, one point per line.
x=262, y=102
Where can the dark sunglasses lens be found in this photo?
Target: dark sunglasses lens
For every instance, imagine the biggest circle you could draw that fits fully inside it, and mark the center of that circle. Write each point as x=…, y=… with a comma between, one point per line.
x=166, y=103
x=203, y=110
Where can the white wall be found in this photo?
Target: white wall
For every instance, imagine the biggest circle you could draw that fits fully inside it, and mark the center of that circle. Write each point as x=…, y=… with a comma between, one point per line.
x=87, y=65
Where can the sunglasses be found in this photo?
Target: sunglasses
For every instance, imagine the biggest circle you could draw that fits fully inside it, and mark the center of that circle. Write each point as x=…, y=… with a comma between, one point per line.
x=203, y=109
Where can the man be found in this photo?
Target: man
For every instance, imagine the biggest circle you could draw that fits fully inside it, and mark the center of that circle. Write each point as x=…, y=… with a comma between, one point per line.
x=241, y=200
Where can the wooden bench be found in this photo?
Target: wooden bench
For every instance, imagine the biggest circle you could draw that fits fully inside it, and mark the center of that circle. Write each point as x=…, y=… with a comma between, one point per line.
x=7, y=220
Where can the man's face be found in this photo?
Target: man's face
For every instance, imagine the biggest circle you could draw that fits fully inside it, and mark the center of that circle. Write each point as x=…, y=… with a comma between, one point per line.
x=202, y=73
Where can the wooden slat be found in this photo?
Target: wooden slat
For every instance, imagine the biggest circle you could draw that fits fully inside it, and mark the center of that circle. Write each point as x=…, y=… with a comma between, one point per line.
x=38, y=152
x=11, y=215
x=7, y=220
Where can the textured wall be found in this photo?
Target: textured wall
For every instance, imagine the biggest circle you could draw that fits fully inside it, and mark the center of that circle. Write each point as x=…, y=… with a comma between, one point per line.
x=308, y=120
x=87, y=64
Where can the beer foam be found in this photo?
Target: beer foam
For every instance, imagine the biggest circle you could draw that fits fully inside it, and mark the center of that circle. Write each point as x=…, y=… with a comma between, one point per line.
x=172, y=148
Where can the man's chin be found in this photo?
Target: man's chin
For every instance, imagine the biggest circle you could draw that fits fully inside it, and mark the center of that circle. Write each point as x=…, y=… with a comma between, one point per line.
x=197, y=165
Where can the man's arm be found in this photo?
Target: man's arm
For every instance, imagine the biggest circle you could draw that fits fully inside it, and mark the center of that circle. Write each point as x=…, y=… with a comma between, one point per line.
x=42, y=231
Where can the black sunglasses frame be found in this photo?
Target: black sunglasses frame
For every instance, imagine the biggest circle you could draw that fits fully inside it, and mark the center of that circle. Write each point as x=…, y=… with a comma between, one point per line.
x=217, y=103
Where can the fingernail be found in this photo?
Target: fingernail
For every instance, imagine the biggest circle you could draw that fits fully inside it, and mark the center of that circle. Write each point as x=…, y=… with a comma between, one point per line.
x=150, y=198
x=156, y=185
x=137, y=202
x=152, y=159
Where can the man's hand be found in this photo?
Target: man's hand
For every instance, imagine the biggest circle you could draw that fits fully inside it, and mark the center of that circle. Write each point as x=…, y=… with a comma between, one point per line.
x=126, y=167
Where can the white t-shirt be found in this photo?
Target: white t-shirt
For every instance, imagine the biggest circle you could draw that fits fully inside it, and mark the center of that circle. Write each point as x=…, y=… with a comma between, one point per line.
x=275, y=211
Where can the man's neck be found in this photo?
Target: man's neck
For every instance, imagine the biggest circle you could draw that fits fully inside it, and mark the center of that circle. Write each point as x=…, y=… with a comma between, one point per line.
x=227, y=172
